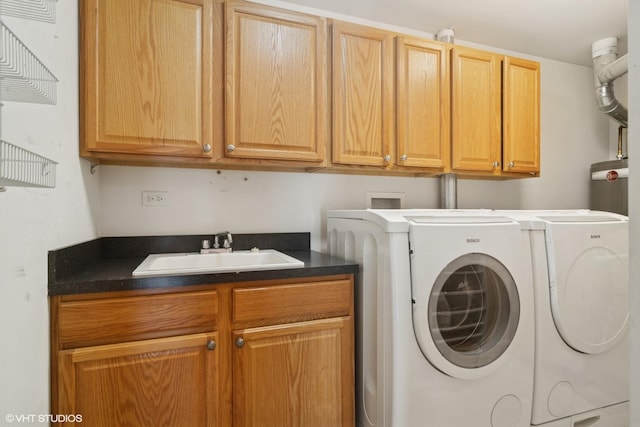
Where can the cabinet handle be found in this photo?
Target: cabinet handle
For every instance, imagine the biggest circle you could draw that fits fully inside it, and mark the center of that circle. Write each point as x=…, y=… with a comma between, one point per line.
x=403, y=157
x=231, y=147
x=511, y=164
x=211, y=345
x=387, y=158
x=206, y=148
x=496, y=164
x=239, y=342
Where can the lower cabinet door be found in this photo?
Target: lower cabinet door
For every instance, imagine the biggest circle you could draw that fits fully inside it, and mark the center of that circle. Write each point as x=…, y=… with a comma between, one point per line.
x=298, y=374
x=160, y=382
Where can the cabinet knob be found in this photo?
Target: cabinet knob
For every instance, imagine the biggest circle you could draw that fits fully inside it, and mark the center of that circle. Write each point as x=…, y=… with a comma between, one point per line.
x=206, y=148
x=239, y=342
x=387, y=158
x=496, y=164
x=211, y=345
x=403, y=157
x=231, y=147
x=511, y=164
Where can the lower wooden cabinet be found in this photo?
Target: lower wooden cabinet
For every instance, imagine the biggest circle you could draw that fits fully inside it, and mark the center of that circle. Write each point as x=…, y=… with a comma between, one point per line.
x=293, y=373
x=163, y=382
x=265, y=353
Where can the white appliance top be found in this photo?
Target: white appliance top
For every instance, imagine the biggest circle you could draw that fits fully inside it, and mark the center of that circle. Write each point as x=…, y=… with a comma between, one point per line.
x=538, y=219
x=398, y=220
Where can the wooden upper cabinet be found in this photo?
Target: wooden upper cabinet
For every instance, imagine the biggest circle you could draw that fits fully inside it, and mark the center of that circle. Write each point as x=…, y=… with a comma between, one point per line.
x=422, y=103
x=495, y=128
x=476, y=110
x=521, y=116
x=363, y=95
x=229, y=83
x=146, y=79
x=276, y=84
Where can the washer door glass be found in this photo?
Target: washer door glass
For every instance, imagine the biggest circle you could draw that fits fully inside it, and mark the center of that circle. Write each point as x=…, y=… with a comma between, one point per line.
x=473, y=310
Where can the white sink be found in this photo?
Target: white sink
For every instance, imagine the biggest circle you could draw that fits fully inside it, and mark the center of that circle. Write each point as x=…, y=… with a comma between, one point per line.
x=193, y=263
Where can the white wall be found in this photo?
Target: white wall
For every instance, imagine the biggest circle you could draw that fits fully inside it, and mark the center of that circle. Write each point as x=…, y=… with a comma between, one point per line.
x=205, y=201
x=33, y=221
x=634, y=205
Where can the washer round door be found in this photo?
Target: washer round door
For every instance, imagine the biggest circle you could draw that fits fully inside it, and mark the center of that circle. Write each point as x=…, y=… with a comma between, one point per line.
x=472, y=316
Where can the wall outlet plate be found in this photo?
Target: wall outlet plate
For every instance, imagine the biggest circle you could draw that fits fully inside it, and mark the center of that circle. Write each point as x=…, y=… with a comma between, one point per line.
x=155, y=198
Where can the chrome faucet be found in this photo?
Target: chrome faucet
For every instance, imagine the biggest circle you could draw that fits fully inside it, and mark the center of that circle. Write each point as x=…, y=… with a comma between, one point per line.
x=226, y=244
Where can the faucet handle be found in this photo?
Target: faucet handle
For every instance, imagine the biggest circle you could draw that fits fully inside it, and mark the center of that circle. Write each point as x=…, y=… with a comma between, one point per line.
x=206, y=244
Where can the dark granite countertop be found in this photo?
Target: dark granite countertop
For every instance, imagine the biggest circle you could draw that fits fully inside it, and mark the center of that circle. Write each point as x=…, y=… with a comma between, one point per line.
x=106, y=264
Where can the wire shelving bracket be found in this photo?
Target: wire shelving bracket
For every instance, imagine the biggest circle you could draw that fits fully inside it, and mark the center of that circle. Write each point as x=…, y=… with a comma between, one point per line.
x=23, y=168
x=23, y=77
x=35, y=10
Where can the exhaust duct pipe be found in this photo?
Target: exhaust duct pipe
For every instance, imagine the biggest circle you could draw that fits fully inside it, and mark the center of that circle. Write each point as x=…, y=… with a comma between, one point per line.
x=606, y=68
x=448, y=181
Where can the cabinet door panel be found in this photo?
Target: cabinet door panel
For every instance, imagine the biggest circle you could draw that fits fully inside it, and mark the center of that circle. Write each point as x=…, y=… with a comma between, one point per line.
x=362, y=95
x=146, y=76
x=299, y=374
x=423, y=104
x=521, y=116
x=276, y=84
x=476, y=110
x=163, y=382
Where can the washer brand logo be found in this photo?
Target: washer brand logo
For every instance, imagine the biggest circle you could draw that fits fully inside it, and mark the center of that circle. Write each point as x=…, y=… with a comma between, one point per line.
x=473, y=240
x=595, y=236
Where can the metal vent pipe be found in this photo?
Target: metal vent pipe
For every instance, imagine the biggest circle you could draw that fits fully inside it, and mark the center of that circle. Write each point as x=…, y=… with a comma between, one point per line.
x=448, y=181
x=606, y=68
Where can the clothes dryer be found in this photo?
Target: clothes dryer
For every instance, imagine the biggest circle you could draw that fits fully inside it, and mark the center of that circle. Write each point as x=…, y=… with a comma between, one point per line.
x=580, y=270
x=444, y=307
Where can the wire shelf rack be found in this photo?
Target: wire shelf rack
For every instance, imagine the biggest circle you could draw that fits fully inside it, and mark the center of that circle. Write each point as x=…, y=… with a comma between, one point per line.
x=23, y=77
x=35, y=10
x=22, y=168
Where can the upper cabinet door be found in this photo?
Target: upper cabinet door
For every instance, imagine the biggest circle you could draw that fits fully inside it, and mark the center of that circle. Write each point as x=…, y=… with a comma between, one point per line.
x=146, y=80
x=363, y=95
x=476, y=116
x=521, y=116
x=276, y=90
x=422, y=113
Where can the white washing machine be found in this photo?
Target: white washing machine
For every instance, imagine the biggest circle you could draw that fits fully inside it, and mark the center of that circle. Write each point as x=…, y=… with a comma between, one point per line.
x=580, y=270
x=444, y=317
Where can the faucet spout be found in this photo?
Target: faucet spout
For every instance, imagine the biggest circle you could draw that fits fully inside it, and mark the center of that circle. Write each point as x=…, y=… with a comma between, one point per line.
x=226, y=242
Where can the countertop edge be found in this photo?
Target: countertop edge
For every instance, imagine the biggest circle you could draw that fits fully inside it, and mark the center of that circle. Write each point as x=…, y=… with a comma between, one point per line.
x=96, y=273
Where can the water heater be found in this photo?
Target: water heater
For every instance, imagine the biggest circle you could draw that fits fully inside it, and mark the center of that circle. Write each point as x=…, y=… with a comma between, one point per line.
x=609, y=187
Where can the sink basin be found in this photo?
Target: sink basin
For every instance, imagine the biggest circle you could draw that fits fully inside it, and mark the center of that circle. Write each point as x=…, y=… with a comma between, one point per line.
x=193, y=263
